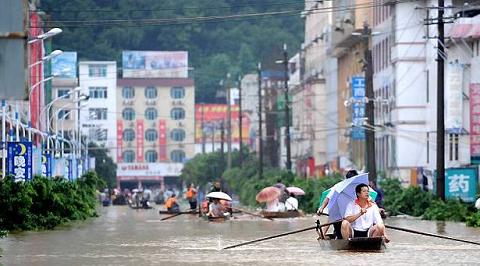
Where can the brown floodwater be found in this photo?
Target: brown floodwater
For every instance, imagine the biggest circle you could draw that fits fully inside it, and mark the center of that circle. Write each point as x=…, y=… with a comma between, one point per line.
x=122, y=236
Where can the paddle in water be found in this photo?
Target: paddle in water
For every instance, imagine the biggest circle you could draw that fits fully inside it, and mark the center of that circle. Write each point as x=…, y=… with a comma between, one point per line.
x=279, y=235
x=428, y=234
x=171, y=216
x=251, y=213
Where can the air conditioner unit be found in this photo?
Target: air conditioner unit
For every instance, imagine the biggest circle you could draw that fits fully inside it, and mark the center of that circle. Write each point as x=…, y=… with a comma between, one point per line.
x=151, y=102
x=131, y=124
x=127, y=102
x=129, y=144
x=180, y=124
x=181, y=145
x=339, y=25
x=154, y=124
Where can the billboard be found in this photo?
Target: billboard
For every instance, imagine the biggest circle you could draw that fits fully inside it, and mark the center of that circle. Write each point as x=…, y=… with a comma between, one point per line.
x=358, y=107
x=119, y=140
x=213, y=115
x=155, y=64
x=139, y=137
x=65, y=65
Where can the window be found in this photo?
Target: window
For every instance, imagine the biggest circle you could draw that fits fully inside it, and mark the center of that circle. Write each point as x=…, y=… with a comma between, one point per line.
x=128, y=135
x=63, y=93
x=64, y=115
x=177, y=134
x=128, y=92
x=128, y=114
x=98, y=113
x=97, y=70
x=151, y=156
x=453, y=147
x=151, y=135
x=177, y=92
x=177, y=113
x=177, y=156
x=150, y=92
x=97, y=92
x=151, y=113
x=128, y=156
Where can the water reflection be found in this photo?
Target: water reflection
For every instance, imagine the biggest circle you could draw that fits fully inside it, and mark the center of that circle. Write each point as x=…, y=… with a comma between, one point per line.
x=121, y=236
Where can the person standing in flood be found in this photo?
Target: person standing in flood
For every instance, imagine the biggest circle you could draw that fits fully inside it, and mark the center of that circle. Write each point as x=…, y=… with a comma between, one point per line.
x=191, y=196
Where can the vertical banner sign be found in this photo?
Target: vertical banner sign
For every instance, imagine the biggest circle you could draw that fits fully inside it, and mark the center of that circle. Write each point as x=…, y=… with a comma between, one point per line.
x=475, y=120
x=461, y=183
x=46, y=165
x=162, y=139
x=119, y=140
x=454, y=99
x=139, y=140
x=19, y=158
x=358, y=107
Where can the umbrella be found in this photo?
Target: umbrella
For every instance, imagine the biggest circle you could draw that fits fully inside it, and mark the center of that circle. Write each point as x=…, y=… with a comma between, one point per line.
x=268, y=194
x=371, y=192
x=218, y=195
x=344, y=194
x=296, y=191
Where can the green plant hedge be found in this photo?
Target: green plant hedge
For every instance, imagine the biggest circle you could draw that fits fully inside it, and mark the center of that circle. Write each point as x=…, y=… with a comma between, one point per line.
x=44, y=203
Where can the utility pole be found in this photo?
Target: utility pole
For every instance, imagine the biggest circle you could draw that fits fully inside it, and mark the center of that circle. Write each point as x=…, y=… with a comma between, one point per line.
x=440, y=104
x=369, y=107
x=203, y=128
x=240, y=118
x=222, y=139
x=287, y=110
x=229, y=123
x=260, y=134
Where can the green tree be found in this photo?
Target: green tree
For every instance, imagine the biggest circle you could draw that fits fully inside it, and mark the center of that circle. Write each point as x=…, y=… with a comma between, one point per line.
x=104, y=165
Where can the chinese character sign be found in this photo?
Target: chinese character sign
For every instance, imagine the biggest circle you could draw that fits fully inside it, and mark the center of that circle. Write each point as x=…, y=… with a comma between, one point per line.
x=19, y=160
x=47, y=165
x=461, y=183
x=358, y=107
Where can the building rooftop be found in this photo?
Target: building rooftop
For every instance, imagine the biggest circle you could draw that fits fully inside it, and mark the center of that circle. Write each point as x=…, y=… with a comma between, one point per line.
x=143, y=82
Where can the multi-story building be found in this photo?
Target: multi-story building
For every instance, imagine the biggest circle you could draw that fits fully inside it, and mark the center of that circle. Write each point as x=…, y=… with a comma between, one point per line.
x=250, y=106
x=98, y=79
x=155, y=129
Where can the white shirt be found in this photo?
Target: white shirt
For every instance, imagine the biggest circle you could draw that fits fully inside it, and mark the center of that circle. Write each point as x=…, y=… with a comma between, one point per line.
x=291, y=204
x=367, y=220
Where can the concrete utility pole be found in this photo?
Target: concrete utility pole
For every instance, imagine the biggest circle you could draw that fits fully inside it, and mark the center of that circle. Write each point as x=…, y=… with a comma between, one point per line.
x=229, y=124
x=222, y=139
x=203, y=128
x=240, y=122
x=287, y=110
x=440, y=104
x=369, y=107
x=260, y=133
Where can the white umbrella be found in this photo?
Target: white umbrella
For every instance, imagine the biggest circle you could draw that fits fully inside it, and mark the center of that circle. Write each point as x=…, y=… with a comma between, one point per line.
x=218, y=195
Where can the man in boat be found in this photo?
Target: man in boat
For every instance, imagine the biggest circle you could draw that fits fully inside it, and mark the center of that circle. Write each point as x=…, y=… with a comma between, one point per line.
x=171, y=204
x=191, y=196
x=216, y=209
x=362, y=217
x=291, y=204
x=336, y=226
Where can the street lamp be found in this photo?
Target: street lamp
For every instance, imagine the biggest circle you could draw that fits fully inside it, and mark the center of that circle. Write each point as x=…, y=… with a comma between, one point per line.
x=48, y=34
x=47, y=109
x=46, y=58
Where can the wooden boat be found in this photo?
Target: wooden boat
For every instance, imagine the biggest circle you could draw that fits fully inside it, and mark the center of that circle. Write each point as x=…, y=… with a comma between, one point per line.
x=182, y=212
x=287, y=214
x=216, y=219
x=353, y=244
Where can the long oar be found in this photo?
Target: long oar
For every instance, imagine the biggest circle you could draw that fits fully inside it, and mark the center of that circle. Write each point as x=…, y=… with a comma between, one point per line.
x=171, y=216
x=279, y=235
x=251, y=213
x=428, y=234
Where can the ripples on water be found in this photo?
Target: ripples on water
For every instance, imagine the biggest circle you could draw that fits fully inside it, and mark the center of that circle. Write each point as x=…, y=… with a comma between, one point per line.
x=122, y=236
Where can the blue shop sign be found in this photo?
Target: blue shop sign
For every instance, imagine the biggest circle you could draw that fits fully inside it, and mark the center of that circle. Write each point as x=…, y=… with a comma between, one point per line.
x=461, y=183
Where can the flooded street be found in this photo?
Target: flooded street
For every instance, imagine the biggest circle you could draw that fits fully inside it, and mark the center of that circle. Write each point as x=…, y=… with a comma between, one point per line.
x=122, y=236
